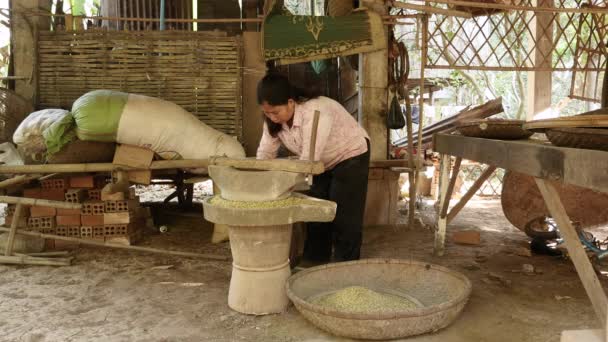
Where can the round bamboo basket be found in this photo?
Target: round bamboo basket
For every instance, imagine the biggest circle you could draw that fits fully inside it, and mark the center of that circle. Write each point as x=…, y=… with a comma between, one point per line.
x=13, y=109
x=441, y=292
x=494, y=129
x=588, y=138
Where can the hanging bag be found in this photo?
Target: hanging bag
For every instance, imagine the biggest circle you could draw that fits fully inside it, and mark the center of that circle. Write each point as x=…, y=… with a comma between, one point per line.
x=395, y=119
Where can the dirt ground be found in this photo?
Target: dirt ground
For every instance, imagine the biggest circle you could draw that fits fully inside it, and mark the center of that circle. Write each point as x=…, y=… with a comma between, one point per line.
x=112, y=295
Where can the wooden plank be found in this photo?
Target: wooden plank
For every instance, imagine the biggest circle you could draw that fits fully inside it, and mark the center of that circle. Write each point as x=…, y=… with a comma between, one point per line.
x=444, y=173
x=576, y=251
x=472, y=190
x=585, y=168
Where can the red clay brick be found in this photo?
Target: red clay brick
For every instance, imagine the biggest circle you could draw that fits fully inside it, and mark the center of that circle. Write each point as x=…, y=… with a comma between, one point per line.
x=38, y=211
x=116, y=218
x=467, y=237
x=53, y=194
x=67, y=212
x=32, y=192
x=71, y=220
x=87, y=182
x=91, y=220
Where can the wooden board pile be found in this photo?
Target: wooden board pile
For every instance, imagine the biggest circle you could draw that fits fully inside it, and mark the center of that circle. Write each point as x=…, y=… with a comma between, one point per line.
x=116, y=218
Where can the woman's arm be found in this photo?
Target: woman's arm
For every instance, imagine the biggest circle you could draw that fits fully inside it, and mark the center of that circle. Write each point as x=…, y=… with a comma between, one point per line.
x=269, y=145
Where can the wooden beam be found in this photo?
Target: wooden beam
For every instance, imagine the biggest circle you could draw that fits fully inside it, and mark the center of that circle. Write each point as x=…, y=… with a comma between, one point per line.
x=463, y=201
x=576, y=251
x=290, y=165
x=431, y=9
x=585, y=168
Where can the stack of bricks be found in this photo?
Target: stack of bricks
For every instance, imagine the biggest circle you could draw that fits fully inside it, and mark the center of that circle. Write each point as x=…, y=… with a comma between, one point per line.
x=117, y=218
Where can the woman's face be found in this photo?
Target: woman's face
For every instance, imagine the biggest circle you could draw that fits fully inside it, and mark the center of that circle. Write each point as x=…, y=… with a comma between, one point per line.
x=279, y=114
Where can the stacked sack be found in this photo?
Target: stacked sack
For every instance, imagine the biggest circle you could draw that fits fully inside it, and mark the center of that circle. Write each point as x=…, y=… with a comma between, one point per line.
x=108, y=117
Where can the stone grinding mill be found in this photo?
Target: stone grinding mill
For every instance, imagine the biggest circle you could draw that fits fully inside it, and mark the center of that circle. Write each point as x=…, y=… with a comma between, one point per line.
x=259, y=208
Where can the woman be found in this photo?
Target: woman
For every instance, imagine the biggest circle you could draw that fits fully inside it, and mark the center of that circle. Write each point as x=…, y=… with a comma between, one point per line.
x=343, y=147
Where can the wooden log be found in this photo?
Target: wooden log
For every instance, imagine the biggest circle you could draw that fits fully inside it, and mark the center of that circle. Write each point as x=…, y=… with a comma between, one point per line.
x=483, y=111
x=11, y=235
x=113, y=245
x=39, y=202
x=576, y=250
x=472, y=190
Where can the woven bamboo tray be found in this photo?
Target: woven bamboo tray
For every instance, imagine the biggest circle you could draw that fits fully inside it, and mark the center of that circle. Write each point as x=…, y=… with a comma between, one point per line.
x=494, y=129
x=588, y=138
x=441, y=292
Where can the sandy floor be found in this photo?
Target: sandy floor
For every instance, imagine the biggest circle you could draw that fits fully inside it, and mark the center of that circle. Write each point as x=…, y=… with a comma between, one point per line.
x=110, y=295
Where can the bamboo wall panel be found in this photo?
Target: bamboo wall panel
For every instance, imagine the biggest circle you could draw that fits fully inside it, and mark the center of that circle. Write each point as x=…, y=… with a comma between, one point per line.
x=198, y=71
x=590, y=58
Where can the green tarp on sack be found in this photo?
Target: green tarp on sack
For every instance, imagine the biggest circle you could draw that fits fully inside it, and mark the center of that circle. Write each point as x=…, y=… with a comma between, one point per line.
x=97, y=114
x=59, y=134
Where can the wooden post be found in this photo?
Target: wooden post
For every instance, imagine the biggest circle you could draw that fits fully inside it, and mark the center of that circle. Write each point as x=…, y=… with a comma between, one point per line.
x=253, y=119
x=444, y=209
x=24, y=31
x=444, y=169
x=576, y=250
x=11, y=235
x=373, y=95
x=539, y=82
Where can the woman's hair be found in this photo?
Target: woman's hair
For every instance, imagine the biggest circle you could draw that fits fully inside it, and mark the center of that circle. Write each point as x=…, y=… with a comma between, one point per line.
x=276, y=90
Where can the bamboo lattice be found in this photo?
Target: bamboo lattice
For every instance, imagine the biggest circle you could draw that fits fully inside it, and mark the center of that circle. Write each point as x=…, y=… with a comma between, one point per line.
x=198, y=71
x=590, y=58
x=514, y=40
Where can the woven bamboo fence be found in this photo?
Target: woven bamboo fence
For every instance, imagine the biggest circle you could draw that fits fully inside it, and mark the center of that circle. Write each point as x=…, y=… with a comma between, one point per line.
x=196, y=70
x=518, y=39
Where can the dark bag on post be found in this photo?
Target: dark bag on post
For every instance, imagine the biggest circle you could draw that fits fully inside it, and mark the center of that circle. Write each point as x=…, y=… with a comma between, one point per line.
x=395, y=119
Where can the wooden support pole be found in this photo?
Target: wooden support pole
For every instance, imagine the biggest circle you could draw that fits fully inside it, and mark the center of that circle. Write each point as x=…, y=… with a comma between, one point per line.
x=302, y=166
x=114, y=245
x=463, y=201
x=21, y=179
x=39, y=202
x=444, y=173
x=8, y=251
x=313, y=141
x=446, y=203
x=576, y=251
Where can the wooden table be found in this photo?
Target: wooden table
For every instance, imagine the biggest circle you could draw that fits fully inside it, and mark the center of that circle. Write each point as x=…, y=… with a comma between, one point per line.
x=546, y=163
